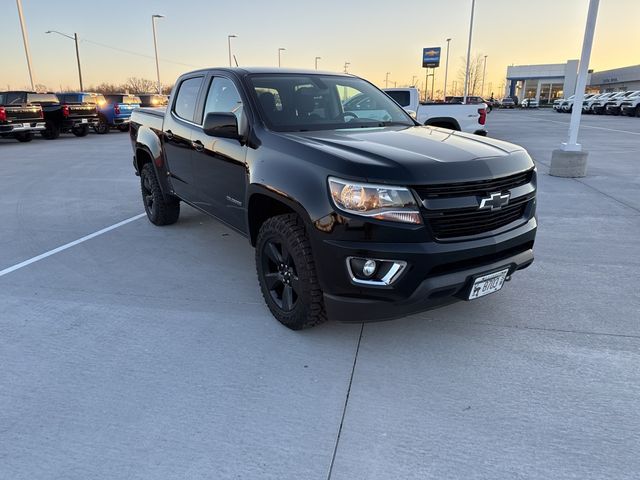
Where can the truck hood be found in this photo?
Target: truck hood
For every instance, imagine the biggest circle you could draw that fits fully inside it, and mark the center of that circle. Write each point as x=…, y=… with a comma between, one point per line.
x=415, y=155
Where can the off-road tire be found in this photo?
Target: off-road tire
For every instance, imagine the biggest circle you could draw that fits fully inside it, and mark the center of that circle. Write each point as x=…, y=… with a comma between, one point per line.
x=82, y=131
x=289, y=231
x=160, y=211
x=51, y=131
x=24, y=137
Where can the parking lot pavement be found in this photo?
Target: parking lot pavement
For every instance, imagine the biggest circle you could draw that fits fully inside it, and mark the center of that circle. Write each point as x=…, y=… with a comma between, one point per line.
x=148, y=353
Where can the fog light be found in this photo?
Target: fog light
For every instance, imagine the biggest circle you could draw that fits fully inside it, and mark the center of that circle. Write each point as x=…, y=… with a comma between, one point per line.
x=374, y=271
x=369, y=268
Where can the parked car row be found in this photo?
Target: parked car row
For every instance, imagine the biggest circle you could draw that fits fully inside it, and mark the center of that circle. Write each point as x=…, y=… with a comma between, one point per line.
x=24, y=113
x=610, y=103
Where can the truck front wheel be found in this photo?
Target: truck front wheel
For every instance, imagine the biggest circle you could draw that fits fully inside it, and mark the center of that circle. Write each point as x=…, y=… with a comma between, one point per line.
x=159, y=211
x=287, y=273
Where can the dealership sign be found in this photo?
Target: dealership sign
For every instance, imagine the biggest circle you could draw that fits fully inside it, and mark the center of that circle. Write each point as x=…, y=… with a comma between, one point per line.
x=431, y=57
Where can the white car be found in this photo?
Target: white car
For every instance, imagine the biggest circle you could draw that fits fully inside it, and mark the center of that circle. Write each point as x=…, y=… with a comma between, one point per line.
x=631, y=106
x=567, y=104
x=588, y=103
x=470, y=118
x=529, y=103
x=614, y=106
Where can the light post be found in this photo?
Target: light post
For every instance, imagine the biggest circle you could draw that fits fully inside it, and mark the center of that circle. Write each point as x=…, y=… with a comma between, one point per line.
x=155, y=47
x=570, y=160
x=446, y=71
x=75, y=39
x=386, y=80
x=229, y=37
x=346, y=66
x=413, y=81
x=280, y=50
x=484, y=72
x=25, y=40
x=466, y=73
x=317, y=58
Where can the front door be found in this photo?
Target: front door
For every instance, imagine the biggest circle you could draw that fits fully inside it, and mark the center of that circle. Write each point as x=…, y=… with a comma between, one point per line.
x=219, y=164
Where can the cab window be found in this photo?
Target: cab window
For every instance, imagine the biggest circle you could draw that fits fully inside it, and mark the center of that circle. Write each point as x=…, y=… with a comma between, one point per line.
x=185, y=104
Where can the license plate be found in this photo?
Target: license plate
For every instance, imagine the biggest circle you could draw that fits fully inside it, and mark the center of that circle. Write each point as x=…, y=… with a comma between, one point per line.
x=26, y=125
x=84, y=120
x=487, y=284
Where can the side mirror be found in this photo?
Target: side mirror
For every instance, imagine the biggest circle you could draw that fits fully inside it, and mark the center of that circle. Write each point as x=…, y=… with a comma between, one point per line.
x=412, y=113
x=221, y=124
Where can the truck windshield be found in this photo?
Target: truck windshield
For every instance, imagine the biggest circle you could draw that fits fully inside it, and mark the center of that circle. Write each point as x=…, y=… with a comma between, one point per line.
x=306, y=102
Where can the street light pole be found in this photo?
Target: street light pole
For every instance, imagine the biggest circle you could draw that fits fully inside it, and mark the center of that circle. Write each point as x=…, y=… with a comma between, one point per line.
x=155, y=47
x=484, y=72
x=570, y=160
x=346, y=66
x=466, y=73
x=280, y=50
x=25, y=40
x=317, y=58
x=446, y=71
x=75, y=39
x=386, y=80
x=229, y=37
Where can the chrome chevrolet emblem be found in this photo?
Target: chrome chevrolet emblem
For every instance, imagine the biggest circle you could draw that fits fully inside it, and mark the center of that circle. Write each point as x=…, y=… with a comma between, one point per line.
x=495, y=201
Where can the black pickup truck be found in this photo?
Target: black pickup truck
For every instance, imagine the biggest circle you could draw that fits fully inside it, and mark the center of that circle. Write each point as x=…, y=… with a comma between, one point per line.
x=19, y=120
x=59, y=116
x=354, y=216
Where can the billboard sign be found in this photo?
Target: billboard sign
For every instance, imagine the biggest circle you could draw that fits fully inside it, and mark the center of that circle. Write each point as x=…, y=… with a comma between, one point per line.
x=431, y=57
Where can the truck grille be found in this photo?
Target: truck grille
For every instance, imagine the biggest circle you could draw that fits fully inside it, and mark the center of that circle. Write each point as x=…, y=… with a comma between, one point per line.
x=446, y=224
x=467, y=189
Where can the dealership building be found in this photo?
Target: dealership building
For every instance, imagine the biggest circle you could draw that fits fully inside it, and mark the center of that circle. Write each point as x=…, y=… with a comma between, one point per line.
x=549, y=82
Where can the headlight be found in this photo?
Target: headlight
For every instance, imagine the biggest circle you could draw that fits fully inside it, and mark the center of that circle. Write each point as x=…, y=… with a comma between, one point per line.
x=382, y=202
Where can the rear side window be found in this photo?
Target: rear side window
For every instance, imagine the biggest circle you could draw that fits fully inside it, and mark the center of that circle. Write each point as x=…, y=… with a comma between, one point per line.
x=42, y=98
x=185, y=105
x=402, y=98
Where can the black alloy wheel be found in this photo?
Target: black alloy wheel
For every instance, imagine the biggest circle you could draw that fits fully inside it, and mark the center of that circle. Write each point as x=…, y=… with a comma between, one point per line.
x=280, y=275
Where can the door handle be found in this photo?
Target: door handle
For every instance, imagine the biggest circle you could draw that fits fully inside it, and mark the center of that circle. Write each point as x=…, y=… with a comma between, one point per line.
x=168, y=135
x=197, y=145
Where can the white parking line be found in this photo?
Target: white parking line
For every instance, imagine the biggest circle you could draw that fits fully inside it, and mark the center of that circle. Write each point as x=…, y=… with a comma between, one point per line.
x=582, y=125
x=68, y=245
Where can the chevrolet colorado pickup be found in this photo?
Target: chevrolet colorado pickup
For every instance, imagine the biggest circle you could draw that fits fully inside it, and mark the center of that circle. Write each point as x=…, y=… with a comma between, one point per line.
x=353, y=216
x=19, y=120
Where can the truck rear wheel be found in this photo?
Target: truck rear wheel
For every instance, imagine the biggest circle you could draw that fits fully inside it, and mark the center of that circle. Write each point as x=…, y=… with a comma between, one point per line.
x=159, y=210
x=24, y=137
x=287, y=273
x=51, y=131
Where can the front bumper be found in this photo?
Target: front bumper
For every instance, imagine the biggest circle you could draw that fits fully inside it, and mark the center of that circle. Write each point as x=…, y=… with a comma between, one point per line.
x=22, y=127
x=436, y=274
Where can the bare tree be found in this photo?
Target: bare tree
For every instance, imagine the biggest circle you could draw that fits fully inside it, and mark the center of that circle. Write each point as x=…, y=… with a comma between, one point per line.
x=140, y=85
x=475, y=73
x=106, y=88
x=41, y=88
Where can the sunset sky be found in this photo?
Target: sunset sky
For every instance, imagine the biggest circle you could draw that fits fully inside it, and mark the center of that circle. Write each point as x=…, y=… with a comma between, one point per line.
x=375, y=36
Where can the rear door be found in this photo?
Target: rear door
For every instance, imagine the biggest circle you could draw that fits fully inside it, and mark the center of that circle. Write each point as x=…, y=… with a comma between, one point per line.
x=219, y=164
x=179, y=125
